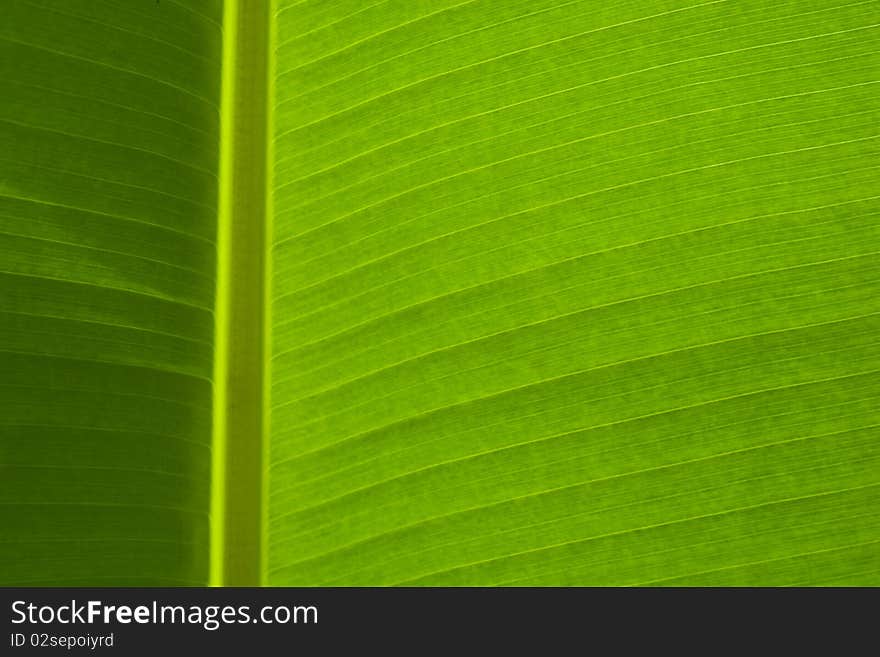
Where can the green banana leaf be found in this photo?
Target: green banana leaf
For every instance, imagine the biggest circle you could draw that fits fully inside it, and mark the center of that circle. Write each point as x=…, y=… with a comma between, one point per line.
x=439, y=292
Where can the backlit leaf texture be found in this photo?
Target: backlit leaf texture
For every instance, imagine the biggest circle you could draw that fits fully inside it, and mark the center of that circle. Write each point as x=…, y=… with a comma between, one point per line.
x=570, y=292
x=109, y=128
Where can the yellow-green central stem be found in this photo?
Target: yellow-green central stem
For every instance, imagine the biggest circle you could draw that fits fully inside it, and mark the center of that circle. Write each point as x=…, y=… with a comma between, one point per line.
x=239, y=344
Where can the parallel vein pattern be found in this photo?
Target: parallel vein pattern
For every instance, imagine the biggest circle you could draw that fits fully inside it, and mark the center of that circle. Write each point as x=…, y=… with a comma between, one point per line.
x=568, y=292
x=109, y=119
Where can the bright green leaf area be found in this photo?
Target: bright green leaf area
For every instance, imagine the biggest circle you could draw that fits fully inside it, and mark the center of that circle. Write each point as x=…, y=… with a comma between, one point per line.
x=573, y=293
x=559, y=292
